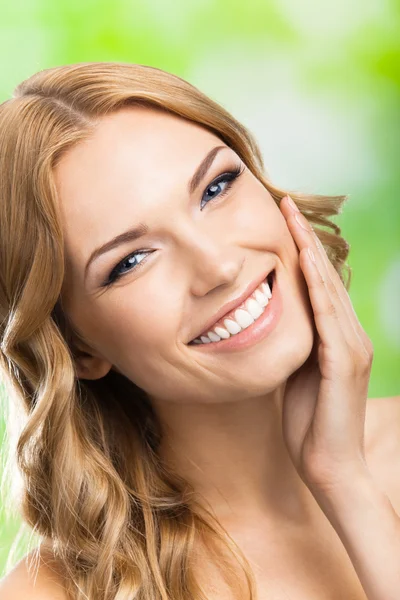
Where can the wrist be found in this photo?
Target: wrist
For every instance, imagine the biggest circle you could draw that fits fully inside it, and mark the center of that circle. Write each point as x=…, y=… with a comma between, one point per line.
x=352, y=495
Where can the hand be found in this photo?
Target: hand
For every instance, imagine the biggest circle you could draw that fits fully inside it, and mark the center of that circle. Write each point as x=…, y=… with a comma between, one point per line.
x=324, y=401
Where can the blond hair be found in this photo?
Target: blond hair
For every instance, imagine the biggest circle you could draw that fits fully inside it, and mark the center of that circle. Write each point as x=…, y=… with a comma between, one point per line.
x=120, y=522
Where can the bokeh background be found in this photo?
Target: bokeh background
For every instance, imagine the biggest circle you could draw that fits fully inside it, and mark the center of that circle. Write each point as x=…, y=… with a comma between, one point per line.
x=317, y=83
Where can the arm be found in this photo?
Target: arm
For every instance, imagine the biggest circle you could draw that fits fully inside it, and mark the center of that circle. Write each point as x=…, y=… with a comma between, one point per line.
x=369, y=529
x=323, y=420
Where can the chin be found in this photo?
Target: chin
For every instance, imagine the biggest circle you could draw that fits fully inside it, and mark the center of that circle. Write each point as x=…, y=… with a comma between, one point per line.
x=274, y=368
x=300, y=350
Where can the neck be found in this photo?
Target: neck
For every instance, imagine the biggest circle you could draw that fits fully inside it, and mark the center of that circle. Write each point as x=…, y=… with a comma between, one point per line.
x=235, y=457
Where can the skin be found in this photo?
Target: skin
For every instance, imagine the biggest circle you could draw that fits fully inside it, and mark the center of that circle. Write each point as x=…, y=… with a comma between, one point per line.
x=221, y=411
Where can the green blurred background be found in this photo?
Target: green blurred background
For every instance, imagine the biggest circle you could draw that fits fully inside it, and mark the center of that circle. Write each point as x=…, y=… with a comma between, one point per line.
x=317, y=83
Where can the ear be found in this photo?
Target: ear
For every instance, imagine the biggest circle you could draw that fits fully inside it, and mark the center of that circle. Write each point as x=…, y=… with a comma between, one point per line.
x=89, y=365
x=92, y=367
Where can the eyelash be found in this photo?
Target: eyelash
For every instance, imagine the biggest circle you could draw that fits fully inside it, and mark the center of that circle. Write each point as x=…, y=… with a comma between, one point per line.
x=229, y=176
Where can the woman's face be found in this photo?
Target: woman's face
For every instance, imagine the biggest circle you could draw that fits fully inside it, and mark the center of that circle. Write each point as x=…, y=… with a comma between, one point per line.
x=197, y=251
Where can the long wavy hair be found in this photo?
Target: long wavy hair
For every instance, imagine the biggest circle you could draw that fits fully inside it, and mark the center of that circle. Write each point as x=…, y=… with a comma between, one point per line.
x=121, y=524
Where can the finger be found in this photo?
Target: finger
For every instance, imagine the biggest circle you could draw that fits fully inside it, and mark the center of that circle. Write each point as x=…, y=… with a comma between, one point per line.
x=344, y=296
x=326, y=314
x=304, y=238
x=355, y=334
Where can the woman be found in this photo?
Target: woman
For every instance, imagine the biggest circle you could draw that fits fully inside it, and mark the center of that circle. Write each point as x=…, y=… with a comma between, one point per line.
x=194, y=380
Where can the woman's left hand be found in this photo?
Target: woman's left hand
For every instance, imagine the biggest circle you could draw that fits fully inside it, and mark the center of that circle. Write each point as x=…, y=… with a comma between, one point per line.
x=324, y=401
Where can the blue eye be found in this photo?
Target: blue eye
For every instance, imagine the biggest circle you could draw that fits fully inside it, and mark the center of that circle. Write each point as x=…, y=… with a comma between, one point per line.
x=228, y=178
x=131, y=260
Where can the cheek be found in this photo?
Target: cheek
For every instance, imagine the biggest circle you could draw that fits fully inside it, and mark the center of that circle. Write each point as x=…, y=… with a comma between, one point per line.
x=138, y=337
x=147, y=323
x=261, y=223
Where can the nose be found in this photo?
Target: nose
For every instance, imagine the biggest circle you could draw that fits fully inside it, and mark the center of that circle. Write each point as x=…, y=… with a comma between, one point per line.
x=213, y=264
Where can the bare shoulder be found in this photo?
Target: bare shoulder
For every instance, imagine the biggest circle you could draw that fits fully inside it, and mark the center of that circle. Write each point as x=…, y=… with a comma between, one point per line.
x=382, y=444
x=36, y=576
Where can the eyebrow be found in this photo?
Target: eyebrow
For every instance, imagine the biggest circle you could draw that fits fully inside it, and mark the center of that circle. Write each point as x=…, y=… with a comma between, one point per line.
x=140, y=230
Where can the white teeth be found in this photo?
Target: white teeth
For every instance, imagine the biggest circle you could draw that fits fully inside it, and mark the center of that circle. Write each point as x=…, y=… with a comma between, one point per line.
x=231, y=326
x=213, y=336
x=261, y=298
x=243, y=318
x=266, y=289
x=254, y=308
x=223, y=333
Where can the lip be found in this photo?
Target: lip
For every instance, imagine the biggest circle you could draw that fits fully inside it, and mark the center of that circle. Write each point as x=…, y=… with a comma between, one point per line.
x=229, y=306
x=256, y=332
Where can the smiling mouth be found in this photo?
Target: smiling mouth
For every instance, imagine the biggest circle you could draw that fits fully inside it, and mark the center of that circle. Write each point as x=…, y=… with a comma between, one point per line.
x=242, y=316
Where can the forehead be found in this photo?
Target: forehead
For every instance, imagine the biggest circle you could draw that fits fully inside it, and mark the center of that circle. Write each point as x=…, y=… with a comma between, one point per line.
x=131, y=141
x=135, y=157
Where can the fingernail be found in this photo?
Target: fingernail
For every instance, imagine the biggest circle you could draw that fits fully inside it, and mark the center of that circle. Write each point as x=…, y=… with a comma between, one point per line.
x=302, y=221
x=291, y=203
x=311, y=254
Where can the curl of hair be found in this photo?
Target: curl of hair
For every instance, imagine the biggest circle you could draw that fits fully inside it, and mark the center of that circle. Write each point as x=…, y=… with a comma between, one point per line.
x=121, y=524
